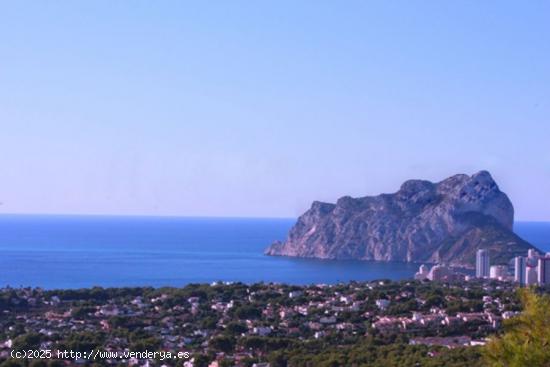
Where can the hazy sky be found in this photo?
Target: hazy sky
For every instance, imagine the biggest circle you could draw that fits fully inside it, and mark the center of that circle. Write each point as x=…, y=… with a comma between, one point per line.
x=236, y=108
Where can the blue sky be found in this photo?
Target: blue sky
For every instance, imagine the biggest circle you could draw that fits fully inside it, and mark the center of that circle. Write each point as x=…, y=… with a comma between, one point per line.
x=244, y=108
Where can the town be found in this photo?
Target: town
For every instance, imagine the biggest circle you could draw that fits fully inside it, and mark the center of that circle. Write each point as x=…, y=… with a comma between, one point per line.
x=524, y=271
x=225, y=324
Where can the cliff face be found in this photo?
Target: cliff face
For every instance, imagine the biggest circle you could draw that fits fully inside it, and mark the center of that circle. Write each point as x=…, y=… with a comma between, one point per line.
x=422, y=222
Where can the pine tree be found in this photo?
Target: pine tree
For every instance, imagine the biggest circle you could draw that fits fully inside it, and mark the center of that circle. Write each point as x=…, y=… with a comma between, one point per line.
x=526, y=340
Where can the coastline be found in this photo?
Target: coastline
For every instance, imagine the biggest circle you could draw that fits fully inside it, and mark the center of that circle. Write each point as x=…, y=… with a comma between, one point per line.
x=78, y=252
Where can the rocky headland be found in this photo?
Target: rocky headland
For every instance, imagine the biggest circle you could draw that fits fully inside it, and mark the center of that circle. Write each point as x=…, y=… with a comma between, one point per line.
x=444, y=222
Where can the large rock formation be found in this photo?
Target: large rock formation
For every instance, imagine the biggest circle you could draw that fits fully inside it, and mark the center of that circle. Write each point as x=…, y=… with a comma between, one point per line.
x=422, y=222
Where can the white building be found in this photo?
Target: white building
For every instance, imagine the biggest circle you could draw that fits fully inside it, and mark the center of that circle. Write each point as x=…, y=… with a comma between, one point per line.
x=439, y=273
x=532, y=258
x=262, y=330
x=295, y=294
x=530, y=275
x=319, y=334
x=482, y=263
x=422, y=273
x=382, y=303
x=498, y=272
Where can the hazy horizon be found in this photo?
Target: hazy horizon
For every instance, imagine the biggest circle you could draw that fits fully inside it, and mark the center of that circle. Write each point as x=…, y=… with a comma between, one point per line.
x=161, y=216
x=243, y=109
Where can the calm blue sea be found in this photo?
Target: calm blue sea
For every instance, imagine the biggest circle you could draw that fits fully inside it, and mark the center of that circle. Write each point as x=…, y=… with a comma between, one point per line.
x=83, y=251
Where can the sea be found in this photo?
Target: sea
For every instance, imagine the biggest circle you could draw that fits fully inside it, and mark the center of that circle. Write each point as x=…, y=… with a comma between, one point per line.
x=56, y=251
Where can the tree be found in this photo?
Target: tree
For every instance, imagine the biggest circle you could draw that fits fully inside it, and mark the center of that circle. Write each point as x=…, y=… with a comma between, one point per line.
x=27, y=341
x=277, y=359
x=236, y=328
x=201, y=360
x=225, y=344
x=526, y=341
x=247, y=312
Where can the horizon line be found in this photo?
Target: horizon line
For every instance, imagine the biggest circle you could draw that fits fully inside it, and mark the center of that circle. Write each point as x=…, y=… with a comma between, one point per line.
x=167, y=216
x=144, y=215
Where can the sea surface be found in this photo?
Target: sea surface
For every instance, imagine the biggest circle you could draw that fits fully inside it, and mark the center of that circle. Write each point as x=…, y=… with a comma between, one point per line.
x=84, y=251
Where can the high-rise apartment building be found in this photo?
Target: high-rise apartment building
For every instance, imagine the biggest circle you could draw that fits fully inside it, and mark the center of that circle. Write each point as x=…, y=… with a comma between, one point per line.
x=482, y=263
x=520, y=263
x=543, y=276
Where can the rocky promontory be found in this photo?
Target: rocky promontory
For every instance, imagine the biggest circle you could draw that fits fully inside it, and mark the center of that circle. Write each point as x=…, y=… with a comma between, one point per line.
x=444, y=222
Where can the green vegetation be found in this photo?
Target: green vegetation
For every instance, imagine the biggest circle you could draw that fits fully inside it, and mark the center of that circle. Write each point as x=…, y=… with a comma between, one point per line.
x=526, y=340
x=318, y=326
x=372, y=354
